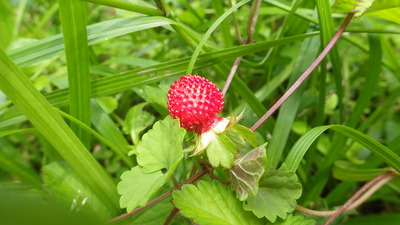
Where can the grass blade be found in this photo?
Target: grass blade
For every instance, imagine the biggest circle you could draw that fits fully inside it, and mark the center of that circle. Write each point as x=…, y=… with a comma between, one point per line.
x=54, y=45
x=35, y=107
x=128, y=6
x=73, y=21
x=152, y=74
x=298, y=151
x=209, y=32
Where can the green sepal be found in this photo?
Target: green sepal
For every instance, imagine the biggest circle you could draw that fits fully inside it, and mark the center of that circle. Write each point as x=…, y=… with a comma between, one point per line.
x=220, y=151
x=247, y=134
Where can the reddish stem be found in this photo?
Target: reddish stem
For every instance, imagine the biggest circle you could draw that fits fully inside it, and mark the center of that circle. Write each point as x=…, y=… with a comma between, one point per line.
x=171, y=216
x=160, y=198
x=305, y=74
x=357, y=194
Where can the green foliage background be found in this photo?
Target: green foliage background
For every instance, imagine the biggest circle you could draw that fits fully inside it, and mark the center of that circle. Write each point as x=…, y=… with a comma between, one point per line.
x=82, y=82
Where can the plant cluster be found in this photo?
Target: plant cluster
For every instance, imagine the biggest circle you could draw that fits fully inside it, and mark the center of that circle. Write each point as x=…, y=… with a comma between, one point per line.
x=292, y=118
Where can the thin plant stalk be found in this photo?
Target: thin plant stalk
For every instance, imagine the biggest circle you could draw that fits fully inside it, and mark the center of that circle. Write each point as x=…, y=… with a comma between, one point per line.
x=160, y=198
x=305, y=74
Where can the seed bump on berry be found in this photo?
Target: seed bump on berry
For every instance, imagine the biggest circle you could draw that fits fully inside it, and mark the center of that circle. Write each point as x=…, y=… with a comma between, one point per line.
x=195, y=101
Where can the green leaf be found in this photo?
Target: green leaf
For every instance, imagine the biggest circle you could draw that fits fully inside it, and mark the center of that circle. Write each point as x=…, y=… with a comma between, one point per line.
x=295, y=220
x=300, y=148
x=11, y=162
x=98, y=32
x=386, y=9
x=6, y=24
x=137, y=120
x=212, y=203
x=107, y=103
x=220, y=150
x=247, y=134
x=40, y=113
x=247, y=171
x=148, y=75
x=161, y=147
x=64, y=184
x=348, y=172
x=289, y=109
x=156, y=95
x=73, y=21
x=110, y=131
x=208, y=34
x=276, y=196
x=136, y=187
x=129, y=6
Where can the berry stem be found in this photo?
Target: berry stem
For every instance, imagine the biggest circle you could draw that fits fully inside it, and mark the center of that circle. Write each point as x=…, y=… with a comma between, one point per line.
x=305, y=74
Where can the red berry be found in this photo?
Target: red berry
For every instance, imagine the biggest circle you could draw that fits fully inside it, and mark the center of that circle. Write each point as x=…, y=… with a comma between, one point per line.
x=195, y=101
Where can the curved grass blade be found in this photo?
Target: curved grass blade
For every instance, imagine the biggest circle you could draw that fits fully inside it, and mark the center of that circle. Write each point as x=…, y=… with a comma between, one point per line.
x=208, y=34
x=128, y=6
x=152, y=74
x=98, y=32
x=298, y=151
x=123, y=155
x=35, y=107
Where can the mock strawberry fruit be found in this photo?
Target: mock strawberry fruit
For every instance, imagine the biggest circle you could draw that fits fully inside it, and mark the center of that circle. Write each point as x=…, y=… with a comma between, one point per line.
x=195, y=101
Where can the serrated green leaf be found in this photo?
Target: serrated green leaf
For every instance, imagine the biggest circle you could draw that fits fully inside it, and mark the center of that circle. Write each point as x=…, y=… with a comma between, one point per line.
x=136, y=187
x=276, y=196
x=161, y=147
x=220, y=150
x=63, y=183
x=137, y=120
x=247, y=171
x=247, y=134
x=212, y=204
x=295, y=220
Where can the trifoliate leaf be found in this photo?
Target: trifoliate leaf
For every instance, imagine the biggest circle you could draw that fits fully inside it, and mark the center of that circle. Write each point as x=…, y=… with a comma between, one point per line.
x=63, y=183
x=220, y=150
x=247, y=171
x=136, y=121
x=161, y=147
x=276, y=196
x=212, y=203
x=136, y=187
x=294, y=220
